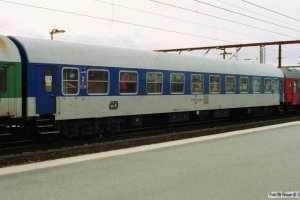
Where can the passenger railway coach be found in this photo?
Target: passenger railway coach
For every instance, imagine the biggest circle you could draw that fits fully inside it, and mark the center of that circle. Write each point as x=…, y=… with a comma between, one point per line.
x=84, y=89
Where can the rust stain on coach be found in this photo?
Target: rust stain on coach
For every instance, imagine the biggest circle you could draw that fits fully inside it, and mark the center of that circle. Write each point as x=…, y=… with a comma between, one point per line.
x=3, y=46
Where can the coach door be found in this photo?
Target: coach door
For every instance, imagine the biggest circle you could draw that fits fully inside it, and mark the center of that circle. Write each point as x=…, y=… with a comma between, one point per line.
x=295, y=92
x=46, y=98
x=298, y=89
x=9, y=93
x=4, y=108
x=292, y=92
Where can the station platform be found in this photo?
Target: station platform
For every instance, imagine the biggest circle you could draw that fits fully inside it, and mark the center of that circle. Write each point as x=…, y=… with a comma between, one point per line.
x=248, y=164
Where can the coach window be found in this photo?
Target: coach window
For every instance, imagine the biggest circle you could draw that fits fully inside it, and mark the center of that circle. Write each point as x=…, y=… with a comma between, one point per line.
x=2, y=79
x=154, y=83
x=197, y=83
x=128, y=82
x=177, y=83
x=256, y=84
x=268, y=85
x=97, y=82
x=48, y=80
x=214, y=84
x=230, y=84
x=276, y=85
x=70, y=81
x=244, y=84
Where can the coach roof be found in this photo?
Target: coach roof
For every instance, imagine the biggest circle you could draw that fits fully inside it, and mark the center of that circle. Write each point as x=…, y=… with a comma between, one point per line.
x=58, y=52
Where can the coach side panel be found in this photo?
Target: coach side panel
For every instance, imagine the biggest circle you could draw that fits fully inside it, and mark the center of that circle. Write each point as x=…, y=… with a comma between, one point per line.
x=75, y=99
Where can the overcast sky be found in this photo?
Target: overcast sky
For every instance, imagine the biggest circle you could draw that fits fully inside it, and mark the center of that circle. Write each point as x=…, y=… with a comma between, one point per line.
x=159, y=24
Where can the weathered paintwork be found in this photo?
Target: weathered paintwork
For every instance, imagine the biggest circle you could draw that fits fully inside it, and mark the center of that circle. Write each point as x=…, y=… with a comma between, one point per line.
x=8, y=51
x=10, y=62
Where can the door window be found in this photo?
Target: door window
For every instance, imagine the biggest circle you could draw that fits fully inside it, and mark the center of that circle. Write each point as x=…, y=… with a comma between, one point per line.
x=2, y=79
x=48, y=80
x=276, y=86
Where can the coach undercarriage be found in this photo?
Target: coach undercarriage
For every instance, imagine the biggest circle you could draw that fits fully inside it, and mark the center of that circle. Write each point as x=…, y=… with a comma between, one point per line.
x=47, y=126
x=112, y=125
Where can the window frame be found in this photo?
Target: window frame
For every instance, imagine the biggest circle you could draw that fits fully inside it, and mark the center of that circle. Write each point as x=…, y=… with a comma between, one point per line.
x=5, y=79
x=234, y=88
x=191, y=88
x=269, y=92
x=243, y=92
x=183, y=88
x=137, y=82
x=211, y=92
x=108, y=81
x=62, y=81
x=162, y=83
x=259, y=78
x=278, y=87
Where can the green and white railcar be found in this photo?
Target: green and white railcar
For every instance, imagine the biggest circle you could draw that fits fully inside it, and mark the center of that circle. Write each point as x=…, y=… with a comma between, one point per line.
x=10, y=82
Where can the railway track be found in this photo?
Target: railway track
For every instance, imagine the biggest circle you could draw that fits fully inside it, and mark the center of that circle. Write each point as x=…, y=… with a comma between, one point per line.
x=34, y=151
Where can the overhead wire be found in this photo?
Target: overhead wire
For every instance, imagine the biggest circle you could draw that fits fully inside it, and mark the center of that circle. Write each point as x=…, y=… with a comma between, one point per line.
x=220, y=18
x=257, y=13
x=169, y=17
x=273, y=11
x=237, y=13
x=175, y=18
x=248, y=16
x=114, y=20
